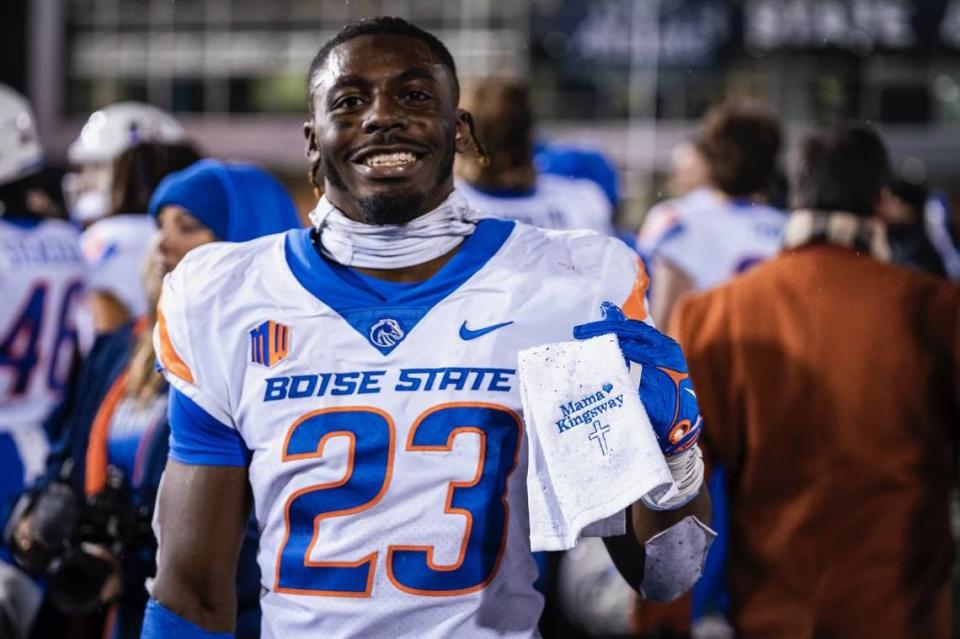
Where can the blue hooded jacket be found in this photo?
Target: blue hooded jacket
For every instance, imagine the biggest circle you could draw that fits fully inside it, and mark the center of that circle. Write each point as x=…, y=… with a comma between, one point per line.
x=238, y=202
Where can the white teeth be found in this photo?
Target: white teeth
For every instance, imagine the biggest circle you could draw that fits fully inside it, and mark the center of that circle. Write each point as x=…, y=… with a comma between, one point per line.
x=390, y=159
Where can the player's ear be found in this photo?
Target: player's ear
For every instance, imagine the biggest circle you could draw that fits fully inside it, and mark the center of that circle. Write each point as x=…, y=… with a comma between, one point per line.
x=312, y=148
x=464, y=131
x=466, y=137
x=313, y=157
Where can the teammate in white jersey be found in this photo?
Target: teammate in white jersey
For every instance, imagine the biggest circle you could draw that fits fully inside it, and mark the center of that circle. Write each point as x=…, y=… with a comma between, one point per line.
x=41, y=285
x=122, y=153
x=116, y=247
x=710, y=234
x=105, y=135
x=507, y=184
x=359, y=379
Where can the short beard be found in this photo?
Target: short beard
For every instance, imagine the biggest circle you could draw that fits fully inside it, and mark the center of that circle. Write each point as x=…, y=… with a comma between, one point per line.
x=392, y=208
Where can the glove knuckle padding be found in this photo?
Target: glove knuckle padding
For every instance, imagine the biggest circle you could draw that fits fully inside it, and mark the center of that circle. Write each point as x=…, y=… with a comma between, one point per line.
x=665, y=387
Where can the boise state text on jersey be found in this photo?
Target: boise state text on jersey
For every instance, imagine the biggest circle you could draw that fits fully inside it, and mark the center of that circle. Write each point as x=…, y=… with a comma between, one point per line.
x=387, y=453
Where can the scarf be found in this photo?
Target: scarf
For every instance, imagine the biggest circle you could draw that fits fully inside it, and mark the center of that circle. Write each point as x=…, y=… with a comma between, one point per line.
x=864, y=235
x=392, y=246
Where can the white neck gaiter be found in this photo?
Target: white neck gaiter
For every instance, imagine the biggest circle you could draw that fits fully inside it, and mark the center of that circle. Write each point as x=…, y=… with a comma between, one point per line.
x=391, y=246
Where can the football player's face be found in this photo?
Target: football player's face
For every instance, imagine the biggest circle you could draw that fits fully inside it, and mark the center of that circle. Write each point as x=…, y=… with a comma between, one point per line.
x=385, y=128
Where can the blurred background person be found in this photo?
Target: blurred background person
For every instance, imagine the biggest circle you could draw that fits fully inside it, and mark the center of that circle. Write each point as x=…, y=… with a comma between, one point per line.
x=941, y=221
x=114, y=453
x=116, y=245
x=688, y=168
x=41, y=285
x=714, y=232
x=829, y=380
x=580, y=163
x=123, y=151
x=107, y=133
x=504, y=182
x=902, y=210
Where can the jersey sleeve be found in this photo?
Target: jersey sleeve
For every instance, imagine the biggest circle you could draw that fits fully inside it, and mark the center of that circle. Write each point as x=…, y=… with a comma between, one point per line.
x=612, y=272
x=197, y=438
x=202, y=430
x=628, y=282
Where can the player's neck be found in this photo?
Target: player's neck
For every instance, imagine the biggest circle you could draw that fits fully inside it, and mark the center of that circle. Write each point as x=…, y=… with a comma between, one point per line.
x=410, y=274
x=411, y=252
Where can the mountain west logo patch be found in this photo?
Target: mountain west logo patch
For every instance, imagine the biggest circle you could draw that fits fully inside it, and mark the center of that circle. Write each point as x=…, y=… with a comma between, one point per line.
x=269, y=343
x=386, y=333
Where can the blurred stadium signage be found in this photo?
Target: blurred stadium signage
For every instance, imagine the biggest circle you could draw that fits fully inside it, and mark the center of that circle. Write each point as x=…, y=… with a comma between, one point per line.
x=621, y=32
x=858, y=25
x=698, y=32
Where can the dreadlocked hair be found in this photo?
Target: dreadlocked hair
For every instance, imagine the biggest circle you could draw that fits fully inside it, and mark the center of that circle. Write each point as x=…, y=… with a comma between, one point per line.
x=138, y=170
x=503, y=118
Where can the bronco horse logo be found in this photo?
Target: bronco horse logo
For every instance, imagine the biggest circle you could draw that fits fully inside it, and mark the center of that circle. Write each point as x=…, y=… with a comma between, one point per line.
x=386, y=333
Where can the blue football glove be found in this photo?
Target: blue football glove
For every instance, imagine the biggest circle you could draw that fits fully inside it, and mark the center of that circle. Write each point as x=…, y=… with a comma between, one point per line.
x=666, y=391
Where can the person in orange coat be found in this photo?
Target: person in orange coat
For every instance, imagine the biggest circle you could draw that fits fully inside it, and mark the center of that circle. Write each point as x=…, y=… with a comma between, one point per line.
x=829, y=382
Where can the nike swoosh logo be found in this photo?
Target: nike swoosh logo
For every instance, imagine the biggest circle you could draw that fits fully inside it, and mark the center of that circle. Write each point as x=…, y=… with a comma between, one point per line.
x=466, y=334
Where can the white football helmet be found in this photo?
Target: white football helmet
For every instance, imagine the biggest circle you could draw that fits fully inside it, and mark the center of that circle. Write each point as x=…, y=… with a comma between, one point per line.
x=20, y=150
x=108, y=133
x=115, y=128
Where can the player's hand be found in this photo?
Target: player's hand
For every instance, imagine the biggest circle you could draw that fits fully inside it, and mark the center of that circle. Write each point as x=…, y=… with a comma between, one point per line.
x=665, y=387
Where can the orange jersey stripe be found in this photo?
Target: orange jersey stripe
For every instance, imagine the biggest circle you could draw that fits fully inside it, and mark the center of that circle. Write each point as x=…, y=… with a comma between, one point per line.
x=95, y=477
x=635, y=306
x=168, y=355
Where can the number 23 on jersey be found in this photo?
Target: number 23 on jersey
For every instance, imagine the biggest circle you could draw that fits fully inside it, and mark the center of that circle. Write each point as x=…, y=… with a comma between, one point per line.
x=371, y=434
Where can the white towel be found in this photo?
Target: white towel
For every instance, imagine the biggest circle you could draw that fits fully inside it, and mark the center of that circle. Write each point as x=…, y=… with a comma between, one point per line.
x=591, y=447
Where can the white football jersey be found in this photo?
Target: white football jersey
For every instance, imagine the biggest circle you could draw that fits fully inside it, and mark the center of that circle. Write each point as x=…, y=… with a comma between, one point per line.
x=711, y=238
x=116, y=248
x=556, y=202
x=388, y=453
x=42, y=283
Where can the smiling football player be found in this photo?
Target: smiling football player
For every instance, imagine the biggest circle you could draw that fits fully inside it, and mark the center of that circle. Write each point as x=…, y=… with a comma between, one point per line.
x=357, y=382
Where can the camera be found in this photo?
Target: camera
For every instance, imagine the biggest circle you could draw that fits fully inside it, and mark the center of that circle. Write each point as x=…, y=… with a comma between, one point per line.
x=69, y=531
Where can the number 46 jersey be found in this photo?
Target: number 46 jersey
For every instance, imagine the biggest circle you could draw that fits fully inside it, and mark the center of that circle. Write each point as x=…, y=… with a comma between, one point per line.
x=381, y=424
x=42, y=276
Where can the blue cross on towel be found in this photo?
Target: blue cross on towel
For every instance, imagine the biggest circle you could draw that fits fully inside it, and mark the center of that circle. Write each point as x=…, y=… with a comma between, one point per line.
x=600, y=434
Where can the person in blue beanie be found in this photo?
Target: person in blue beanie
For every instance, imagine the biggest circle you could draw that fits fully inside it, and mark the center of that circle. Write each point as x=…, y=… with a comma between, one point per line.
x=90, y=517
x=236, y=202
